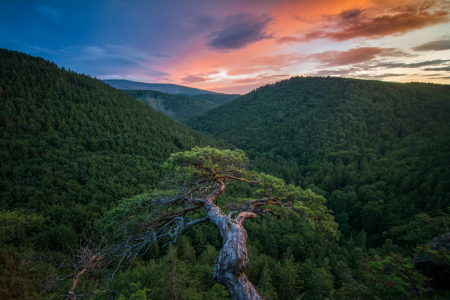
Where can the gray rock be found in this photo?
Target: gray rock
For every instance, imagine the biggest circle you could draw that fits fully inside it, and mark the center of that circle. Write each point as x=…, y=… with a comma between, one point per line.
x=433, y=268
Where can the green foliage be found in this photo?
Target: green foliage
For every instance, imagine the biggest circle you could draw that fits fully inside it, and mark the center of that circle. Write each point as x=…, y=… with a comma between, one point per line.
x=17, y=281
x=290, y=282
x=71, y=146
x=422, y=229
x=15, y=226
x=136, y=293
x=265, y=287
x=421, y=233
x=377, y=151
x=200, y=166
x=441, y=255
x=393, y=276
x=170, y=276
x=178, y=107
x=176, y=280
x=218, y=98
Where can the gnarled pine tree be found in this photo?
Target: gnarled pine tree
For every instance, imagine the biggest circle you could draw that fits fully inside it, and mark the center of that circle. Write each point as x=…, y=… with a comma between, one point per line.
x=194, y=180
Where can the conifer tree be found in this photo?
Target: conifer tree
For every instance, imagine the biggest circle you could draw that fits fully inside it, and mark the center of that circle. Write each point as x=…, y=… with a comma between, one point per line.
x=194, y=181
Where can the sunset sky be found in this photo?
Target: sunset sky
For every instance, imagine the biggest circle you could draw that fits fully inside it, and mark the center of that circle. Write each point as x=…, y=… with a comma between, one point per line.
x=234, y=46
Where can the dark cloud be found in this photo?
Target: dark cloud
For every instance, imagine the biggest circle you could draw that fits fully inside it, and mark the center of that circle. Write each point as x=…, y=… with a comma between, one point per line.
x=355, y=55
x=433, y=46
x=245, y=30
x=340, y=72
x=350, y=16
x=378, y=76
x=411, y=65
x=387, y=75
x=446, y=68
x=374, y=24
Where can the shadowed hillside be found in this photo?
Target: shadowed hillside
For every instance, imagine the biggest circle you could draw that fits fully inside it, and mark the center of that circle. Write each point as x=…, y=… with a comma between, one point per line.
x=379, y=152
x=177, y=107
x=72, y=146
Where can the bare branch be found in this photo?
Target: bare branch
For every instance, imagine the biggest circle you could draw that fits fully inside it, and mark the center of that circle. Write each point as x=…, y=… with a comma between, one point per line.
x=195, y=222
x=87, y=257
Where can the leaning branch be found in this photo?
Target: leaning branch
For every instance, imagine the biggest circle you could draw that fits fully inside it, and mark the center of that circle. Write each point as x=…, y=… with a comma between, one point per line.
x=195, y=222
x=237, y=178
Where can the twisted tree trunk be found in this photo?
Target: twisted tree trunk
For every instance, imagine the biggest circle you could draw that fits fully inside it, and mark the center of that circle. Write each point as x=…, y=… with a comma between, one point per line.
x=229, y=266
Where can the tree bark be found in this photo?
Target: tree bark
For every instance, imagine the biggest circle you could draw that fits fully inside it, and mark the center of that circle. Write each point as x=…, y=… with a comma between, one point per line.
x=229, y=266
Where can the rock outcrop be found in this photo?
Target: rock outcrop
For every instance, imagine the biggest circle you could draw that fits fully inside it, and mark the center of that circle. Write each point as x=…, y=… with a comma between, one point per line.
x=433, y=268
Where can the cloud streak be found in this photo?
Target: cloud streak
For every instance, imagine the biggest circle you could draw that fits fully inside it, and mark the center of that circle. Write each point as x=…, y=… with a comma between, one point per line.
x=439, y=45
x=194, y=78
x=446, y=69
x=245, y=30
x=392, y=65
x=355, y=55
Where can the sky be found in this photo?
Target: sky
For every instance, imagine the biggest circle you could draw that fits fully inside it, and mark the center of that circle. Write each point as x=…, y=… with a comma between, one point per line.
x=234, y=46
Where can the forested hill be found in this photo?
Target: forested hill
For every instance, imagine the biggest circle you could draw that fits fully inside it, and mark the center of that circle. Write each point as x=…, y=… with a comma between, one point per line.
x=379, y=152
x=177, y=107
x=218, y=98
x=72, y=146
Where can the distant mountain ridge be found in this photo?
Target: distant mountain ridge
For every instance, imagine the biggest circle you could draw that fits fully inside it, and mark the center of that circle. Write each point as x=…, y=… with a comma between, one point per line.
x=122, y=84
x=175, y=101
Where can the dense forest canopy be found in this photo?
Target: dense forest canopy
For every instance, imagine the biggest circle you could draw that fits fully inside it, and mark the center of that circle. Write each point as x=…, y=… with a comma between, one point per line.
x=178, y=107
x=72, y=146
x=218, y=98
x=379, y=152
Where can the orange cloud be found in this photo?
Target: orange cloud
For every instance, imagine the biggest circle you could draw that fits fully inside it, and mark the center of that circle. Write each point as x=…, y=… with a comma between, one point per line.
x=376, y=22
x=299, y=21
x=355, y=55
x=265, y=63
x=260, y=79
